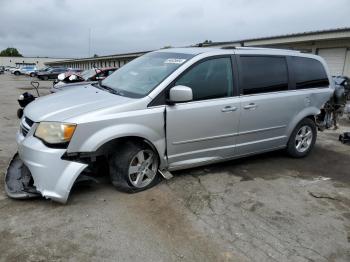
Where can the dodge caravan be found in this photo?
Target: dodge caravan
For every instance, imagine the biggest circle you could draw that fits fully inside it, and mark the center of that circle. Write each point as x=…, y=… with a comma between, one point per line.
x=168, y=110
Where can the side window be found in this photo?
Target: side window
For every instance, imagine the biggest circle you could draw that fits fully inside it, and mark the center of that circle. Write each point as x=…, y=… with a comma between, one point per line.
x=263, y=74
x=209, y=79
x=309, y=73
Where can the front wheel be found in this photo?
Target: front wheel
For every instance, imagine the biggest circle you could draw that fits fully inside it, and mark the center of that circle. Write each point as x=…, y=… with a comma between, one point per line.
x=302, y=139
x=134, y=167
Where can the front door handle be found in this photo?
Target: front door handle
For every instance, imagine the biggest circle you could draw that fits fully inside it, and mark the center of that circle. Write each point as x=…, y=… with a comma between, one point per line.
x=229, y=109
x=250, y=106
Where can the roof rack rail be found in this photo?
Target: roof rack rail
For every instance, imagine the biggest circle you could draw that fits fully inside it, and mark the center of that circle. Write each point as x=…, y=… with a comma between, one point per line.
x=229, y=47
x=259, y=48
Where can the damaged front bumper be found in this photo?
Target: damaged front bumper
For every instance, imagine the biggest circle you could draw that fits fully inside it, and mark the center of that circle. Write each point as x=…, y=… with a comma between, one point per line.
x=52, y=176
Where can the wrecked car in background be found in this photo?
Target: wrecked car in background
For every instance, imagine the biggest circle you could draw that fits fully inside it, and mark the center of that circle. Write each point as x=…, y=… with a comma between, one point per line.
x=51, y=73
x=168, y=110
x=71, y=79
x=345, y=82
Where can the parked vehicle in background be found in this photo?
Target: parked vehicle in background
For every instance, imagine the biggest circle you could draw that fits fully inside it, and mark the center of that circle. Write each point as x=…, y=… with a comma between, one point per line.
x=168, y=110
x=45, y=69
x=51, y=73
x=69, y=80
x=2, y=69
x=31, y=72
x=23, y=69
x=13, y=69
x=74, y=70
x=28, y=70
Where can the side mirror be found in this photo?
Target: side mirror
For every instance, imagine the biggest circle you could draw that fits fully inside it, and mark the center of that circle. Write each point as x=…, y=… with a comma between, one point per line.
x=180, y=94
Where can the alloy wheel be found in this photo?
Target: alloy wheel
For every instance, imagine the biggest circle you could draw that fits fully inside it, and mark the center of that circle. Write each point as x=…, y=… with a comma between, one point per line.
x=143, y=168
x=303, y=139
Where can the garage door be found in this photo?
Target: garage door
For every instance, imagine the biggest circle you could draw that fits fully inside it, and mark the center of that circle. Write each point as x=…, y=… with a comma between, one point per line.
x=335, y=58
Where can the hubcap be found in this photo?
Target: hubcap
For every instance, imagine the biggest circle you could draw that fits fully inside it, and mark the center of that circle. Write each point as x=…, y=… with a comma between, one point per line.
x=143, y=168
x=303, y=139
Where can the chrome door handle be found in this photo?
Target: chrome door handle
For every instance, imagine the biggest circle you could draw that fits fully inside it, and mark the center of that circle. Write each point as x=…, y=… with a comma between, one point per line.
x=229, y=109
x=250, y=106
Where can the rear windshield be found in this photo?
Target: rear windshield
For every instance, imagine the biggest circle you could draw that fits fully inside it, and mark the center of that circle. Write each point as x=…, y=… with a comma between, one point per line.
x=143, y=74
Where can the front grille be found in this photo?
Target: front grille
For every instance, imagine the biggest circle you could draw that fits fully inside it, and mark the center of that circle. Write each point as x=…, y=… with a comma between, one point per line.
x=28, y=121
x=24, y=130
x=25, y=126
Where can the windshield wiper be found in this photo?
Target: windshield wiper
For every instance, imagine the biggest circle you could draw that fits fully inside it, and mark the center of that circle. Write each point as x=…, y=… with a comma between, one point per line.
x=109, y=89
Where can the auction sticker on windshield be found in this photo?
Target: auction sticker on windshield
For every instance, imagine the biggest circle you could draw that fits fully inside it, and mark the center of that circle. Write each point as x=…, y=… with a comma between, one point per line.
x=174, y=61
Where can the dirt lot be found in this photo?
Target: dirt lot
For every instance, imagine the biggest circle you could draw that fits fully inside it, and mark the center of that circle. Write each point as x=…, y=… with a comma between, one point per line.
x=263, y=208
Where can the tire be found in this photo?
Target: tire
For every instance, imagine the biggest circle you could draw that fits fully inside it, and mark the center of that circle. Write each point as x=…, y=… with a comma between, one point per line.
x=19, y=113
x=45, y=78
x=302, y=139
x=127, y=171
x=31, y=74
x=16, y=73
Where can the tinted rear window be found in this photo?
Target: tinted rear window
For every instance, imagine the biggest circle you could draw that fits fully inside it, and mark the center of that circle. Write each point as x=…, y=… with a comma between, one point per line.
x=309, y=73
x=263, y=74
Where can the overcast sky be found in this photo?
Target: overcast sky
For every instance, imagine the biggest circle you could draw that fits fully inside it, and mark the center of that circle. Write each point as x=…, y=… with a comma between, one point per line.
x=60, y=28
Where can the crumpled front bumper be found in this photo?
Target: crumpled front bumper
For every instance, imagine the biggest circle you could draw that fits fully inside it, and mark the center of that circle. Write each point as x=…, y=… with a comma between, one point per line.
x=53, y=177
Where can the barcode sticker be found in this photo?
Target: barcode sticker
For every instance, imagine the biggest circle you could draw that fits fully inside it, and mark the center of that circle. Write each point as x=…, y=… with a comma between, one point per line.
x=174, y=61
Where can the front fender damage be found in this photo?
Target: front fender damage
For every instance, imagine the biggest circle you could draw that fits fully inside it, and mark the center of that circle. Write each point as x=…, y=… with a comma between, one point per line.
x=19, y=181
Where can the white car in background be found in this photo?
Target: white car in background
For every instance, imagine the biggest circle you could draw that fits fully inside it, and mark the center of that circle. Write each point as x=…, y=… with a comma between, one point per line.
x=31, y=71
x=13, y=69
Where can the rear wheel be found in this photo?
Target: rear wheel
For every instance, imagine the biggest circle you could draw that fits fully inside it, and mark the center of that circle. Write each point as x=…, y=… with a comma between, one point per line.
x=31, y=74
x=16, y=73
x=134, y=167
x=302, y=139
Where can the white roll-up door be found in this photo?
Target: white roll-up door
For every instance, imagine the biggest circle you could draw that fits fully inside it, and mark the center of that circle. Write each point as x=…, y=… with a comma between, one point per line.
x=335, y=58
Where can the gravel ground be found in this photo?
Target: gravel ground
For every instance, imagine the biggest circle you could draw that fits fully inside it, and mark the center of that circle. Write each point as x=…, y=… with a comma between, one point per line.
x=263, y=208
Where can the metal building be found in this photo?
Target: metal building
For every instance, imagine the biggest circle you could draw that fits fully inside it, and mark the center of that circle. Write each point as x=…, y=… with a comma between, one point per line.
x=333, y=45
x=99, y=62
x=39, y=62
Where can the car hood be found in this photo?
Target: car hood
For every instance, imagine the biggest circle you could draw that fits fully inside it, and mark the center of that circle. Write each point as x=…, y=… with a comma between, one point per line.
x=69, y=103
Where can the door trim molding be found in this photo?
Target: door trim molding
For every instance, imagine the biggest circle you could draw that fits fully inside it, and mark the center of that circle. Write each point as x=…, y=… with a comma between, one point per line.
x=261, y=130
x=204, y=139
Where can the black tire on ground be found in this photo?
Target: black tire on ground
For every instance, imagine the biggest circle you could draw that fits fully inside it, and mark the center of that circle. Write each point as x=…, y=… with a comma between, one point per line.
x=31, y=74
x=119, y=163
x=16, y=73
x=292, y=143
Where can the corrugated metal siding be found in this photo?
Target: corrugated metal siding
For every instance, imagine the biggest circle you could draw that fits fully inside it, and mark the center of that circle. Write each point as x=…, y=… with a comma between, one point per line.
x=335, y=58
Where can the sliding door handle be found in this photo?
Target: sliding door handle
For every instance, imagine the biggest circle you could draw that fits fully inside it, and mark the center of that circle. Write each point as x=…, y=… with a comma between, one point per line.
x=229, y=109
x=250, y=106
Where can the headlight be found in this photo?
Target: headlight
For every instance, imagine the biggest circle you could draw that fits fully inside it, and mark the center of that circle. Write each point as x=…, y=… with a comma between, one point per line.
x=55, y=132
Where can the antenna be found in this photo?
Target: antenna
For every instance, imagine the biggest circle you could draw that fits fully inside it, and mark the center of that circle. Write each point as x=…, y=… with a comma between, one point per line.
x=89, y=42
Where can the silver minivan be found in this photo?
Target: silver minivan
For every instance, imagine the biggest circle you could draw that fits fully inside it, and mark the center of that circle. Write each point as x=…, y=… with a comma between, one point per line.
x=168, y=110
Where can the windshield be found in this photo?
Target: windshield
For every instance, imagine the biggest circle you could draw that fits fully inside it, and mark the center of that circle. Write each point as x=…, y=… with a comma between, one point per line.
x=88, y=73
x=143, y=74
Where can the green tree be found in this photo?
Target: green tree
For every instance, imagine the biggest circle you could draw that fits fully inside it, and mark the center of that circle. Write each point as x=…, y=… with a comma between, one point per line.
x=10, y=51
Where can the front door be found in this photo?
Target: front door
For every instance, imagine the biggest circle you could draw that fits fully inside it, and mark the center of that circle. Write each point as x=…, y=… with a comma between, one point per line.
x=204, y=129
